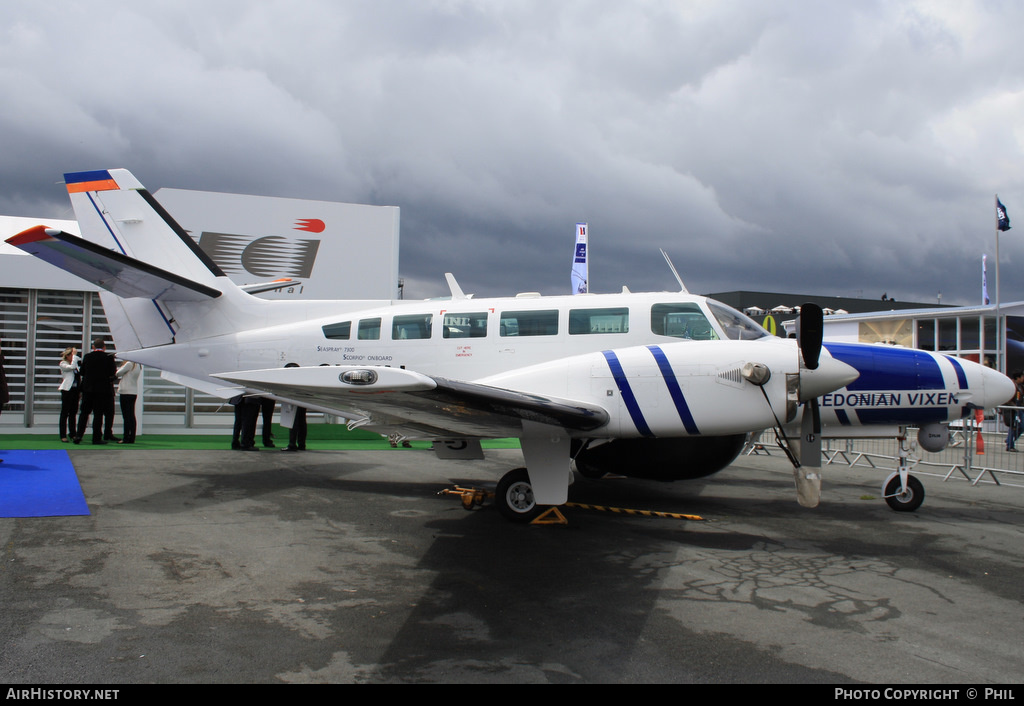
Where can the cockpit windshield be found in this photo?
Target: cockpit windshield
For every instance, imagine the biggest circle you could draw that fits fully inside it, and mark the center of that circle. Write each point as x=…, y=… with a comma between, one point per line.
x=738, y=327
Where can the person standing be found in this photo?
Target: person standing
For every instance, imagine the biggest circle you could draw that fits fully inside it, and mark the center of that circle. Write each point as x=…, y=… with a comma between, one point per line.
x=128, y=376
x=69, y=392
x=297, y=432
x=267, y=413
x=247, y=413
x=98, y=373
x=294, y=418
x=1014, y=416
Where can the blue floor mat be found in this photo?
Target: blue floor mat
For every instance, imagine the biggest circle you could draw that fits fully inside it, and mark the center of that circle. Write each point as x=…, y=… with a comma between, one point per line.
x=39, y=484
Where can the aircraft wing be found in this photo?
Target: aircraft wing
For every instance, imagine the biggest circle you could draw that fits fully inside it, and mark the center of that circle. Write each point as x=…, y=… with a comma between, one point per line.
x=416, y=404
x=117, y=273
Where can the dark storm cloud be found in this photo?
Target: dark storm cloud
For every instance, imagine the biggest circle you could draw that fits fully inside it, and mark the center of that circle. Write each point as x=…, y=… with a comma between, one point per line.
x=836, y=148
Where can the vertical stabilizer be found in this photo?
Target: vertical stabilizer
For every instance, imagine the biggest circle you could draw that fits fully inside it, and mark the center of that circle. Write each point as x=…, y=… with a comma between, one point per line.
x=115, y=211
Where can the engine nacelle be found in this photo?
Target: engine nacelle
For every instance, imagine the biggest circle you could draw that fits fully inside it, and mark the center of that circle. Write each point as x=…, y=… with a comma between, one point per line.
x=933, y=437
x=682, y=458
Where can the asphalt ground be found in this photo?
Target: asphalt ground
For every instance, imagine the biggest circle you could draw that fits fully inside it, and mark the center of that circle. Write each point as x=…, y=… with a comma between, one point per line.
x=219, y=566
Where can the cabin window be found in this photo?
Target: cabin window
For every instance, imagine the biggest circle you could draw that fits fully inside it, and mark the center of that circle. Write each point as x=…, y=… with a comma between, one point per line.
x=529, y=323
x=682, y=320
x=613, y=320
x=472, y=325
x=413, y=326
x=737, y=326
x=369, y=330
x=338, y=332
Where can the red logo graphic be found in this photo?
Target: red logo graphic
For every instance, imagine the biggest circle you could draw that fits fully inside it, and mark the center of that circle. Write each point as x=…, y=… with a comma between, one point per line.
x=313, y=225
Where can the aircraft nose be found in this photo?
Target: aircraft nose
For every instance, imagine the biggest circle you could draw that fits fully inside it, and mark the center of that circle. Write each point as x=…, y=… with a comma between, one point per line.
x=829, y=376
x=999, y=389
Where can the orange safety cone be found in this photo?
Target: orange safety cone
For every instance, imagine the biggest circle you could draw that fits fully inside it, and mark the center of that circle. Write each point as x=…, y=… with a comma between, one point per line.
x=979, y=417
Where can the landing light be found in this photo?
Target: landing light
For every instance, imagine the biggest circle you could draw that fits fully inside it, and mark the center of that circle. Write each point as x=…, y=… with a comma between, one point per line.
x=358, y=377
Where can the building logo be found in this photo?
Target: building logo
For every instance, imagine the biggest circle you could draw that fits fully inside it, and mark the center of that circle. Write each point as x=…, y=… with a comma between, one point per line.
x=269, y=256
x=311, y=225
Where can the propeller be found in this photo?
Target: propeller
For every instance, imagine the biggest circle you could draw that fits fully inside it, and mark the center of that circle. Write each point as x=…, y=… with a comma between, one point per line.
x=815, y=377
x=810, y=329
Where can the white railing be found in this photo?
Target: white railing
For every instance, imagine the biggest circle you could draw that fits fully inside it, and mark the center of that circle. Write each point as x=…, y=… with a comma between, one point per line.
x=964, y=458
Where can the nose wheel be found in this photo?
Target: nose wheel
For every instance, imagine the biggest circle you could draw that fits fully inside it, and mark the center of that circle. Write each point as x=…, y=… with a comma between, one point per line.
x=902, y=500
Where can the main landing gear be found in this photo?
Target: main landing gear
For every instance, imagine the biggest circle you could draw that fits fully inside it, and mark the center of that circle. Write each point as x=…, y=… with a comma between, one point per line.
x=514, y=497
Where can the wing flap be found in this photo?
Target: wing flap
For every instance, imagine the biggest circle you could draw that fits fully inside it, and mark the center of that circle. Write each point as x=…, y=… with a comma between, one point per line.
x=431, y=407
x=117, y=273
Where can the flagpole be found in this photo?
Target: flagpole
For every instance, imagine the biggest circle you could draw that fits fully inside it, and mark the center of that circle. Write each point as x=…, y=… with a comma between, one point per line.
x=1000, y=328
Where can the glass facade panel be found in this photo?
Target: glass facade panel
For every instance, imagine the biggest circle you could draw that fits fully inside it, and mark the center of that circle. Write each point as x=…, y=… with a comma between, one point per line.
x=926, y=334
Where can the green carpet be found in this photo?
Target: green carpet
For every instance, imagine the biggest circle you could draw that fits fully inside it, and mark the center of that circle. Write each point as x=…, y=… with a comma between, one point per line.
x=320, y=437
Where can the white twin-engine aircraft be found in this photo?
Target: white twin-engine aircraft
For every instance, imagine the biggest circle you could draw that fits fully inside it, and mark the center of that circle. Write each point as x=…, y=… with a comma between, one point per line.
x=664, y=386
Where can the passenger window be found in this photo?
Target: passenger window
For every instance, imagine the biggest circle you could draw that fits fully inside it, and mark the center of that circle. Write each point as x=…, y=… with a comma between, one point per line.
x=369, y=330
x=583, y=321
x=410, y=327
x=472, y=325
x=529, y=323
x=682, y=320
x=338, y=332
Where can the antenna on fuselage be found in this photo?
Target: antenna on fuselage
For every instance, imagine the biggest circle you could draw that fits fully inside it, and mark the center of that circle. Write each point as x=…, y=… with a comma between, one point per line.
x=457, y=292
x=682, y=287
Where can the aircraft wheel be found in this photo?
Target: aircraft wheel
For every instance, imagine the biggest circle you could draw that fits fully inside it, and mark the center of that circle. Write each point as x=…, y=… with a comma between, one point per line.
x=903, y=502
x=514, y=496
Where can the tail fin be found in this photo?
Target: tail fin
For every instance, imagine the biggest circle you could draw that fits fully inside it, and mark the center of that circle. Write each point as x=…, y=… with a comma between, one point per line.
x=160, y=286
x=114, y=210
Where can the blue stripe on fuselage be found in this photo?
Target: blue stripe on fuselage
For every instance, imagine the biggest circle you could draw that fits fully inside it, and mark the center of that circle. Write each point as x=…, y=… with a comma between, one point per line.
x=627, y=394
x=884, y=368
x=673, y=388
x=961, y=376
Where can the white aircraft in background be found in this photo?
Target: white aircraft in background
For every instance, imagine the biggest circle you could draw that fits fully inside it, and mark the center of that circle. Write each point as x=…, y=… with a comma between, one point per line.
x=655, y=385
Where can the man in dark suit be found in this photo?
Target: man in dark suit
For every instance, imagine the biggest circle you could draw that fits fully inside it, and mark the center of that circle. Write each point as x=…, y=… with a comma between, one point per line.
x=98, y=372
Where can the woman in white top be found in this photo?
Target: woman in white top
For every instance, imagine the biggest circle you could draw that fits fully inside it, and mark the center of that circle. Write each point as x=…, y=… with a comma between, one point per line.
x=69, y=361
x=128, y=392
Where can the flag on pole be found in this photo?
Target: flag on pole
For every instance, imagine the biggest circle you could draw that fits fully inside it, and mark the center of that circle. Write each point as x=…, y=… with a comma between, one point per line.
x=579, y=261
x=1002, y=219
x=984, y=281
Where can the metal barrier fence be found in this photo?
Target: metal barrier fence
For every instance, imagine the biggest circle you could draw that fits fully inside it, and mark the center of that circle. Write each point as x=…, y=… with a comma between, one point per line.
x=976, y=453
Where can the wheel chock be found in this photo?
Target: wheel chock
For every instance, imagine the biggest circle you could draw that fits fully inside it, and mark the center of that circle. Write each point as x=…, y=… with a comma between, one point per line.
x=551, y=516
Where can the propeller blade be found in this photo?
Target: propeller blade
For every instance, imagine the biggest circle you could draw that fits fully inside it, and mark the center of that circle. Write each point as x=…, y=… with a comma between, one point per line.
x=807, y=475
x=809, y=331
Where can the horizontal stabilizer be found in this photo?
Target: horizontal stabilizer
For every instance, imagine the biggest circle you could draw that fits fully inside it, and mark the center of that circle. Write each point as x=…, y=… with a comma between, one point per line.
x=260, y=287
x=110, y=270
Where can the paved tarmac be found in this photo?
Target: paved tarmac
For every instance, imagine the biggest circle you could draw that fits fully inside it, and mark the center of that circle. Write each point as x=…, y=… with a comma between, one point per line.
x=347, y=566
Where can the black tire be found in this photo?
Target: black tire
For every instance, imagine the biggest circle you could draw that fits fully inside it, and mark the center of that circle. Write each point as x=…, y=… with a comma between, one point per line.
x=907, y=502
x=514, y=496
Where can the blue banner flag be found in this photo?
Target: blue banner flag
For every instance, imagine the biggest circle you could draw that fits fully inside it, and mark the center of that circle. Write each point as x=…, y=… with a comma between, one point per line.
x=580, y=285
x=1002, y=219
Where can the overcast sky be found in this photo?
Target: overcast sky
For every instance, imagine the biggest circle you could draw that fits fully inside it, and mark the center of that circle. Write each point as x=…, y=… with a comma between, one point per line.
x=842, y=149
